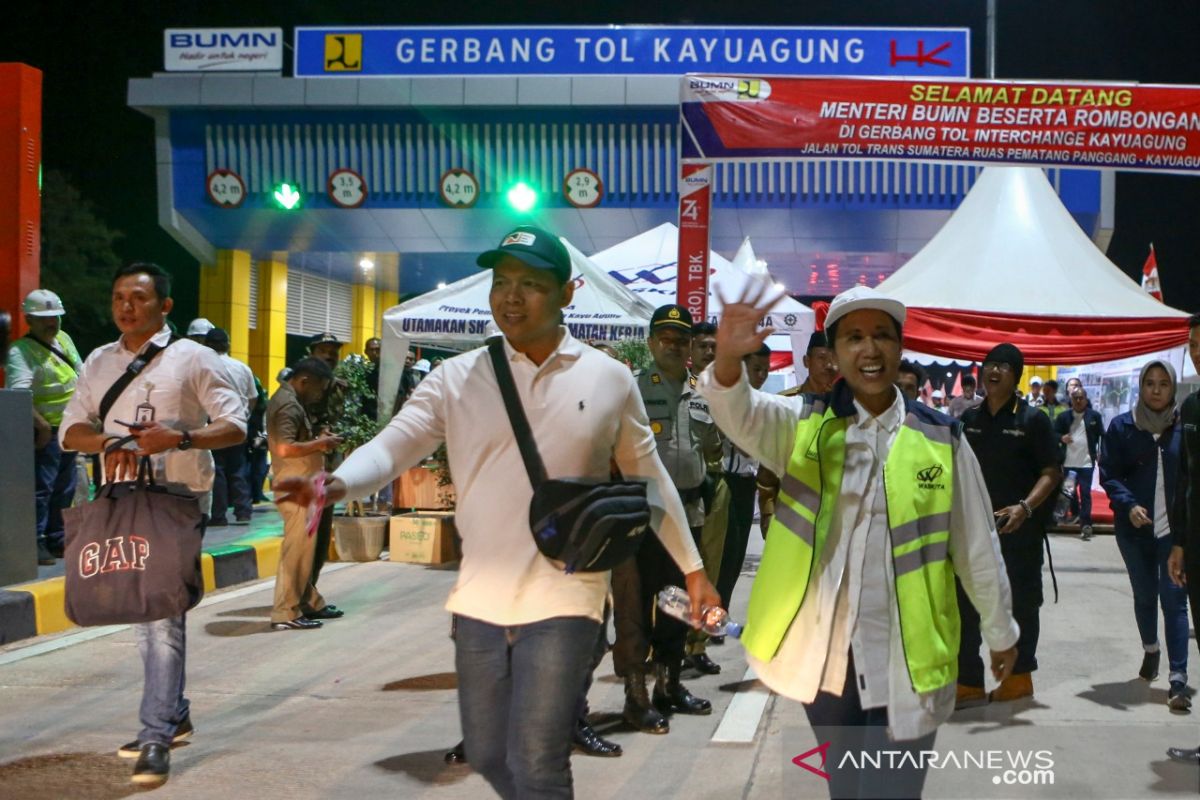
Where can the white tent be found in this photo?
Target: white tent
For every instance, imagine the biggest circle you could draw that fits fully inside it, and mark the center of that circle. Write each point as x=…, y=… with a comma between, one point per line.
x=647, y=265
x=459, y=317
x=1011, y=264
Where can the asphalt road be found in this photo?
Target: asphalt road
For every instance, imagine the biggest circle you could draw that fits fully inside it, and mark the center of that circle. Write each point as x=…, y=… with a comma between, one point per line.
x=366, y=707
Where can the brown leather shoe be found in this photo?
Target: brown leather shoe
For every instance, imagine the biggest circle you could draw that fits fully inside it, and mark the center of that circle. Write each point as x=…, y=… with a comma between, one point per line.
x=1014, y=687
x=969, y=697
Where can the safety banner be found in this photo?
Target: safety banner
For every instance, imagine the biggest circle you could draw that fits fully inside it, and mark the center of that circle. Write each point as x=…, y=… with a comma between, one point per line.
x=1125, y=126
x=695, y=205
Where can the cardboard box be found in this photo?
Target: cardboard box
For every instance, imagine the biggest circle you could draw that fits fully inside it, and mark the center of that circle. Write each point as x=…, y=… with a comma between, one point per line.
x=417, y=488
x=426, y=537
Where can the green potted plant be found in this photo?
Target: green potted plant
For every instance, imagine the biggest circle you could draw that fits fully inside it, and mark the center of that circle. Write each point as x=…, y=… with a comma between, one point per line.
x=359, y=534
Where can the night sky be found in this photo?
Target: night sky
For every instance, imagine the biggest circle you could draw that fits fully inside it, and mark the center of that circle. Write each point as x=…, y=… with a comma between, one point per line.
x=88, y=51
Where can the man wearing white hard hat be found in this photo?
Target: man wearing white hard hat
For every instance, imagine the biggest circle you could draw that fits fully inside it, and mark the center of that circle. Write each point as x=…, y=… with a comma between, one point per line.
x=45, y=362
x=198, y=329
x=854, y=611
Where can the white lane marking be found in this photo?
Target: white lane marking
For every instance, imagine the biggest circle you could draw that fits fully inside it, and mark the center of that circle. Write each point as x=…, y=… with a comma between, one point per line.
x=742, y=715
x=86, y=635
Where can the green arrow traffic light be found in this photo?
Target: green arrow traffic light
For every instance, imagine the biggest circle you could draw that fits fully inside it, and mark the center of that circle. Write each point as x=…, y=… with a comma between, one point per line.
x=286, y=196
x=521, y=197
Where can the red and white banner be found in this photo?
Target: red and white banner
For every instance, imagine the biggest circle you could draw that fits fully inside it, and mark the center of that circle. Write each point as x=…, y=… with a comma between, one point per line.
x=1150, y=284
x=1125, y=126
x=695, y=206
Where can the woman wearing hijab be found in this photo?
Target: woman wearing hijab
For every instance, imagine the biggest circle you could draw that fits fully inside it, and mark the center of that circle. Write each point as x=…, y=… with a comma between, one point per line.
x=1139, y=459
x=853, y=611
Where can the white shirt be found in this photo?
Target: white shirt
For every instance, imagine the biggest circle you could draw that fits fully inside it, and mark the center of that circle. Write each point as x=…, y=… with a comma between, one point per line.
x=187, y=385
x=1162, y=522
x=242, y=378
x=1077, y=449
x=584, y=409
x=851, y=600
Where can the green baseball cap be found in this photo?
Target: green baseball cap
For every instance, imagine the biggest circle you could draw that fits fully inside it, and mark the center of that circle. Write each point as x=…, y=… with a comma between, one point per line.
x=533, y=246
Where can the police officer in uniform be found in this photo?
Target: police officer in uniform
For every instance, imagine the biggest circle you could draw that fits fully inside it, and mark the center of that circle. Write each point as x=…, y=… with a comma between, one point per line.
x=683, y=431
x=326, y=347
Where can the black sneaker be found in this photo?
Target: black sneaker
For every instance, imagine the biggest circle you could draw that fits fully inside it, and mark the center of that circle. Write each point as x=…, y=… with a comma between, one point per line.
x=1085, y=533
x=297, y=624
x=44, y=557
x=153, y=765
x=182, y=731
x=1187, y=755
x=1177, y=697
x=328, y=612
x=1149, y=670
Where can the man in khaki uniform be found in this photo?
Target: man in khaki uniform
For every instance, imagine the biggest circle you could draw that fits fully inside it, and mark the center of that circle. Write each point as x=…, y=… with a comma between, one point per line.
x=297, y=451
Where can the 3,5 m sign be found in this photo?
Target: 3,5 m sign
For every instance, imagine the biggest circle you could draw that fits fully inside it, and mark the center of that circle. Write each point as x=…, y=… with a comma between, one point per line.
x=1125, y=126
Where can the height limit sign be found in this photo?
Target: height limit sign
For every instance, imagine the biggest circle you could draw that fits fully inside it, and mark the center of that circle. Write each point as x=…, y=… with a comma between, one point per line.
x=347, y=188
x=583, y=188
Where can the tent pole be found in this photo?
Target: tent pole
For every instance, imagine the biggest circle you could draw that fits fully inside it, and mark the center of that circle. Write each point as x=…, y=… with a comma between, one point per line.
x=991, y=39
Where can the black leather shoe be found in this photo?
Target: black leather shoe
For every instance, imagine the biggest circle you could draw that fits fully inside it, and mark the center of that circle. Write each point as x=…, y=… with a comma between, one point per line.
x=590, y=743
x=328, y=612
x=153, y=765
x=639, y=712
x=716, y=640
x=704, y=664
x=456, y=755
x=672, y=697
x=1188, y=755
x=44, y=557
x=297, y=624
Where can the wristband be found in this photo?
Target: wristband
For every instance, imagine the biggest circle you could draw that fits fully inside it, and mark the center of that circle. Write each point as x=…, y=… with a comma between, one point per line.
x=318, y=503
x=1028, y=509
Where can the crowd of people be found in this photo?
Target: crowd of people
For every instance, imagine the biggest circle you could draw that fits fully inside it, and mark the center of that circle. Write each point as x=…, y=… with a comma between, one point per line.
x=900, y=537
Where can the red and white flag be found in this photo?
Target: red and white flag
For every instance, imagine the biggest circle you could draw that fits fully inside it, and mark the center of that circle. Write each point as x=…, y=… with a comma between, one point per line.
x=1150, y=284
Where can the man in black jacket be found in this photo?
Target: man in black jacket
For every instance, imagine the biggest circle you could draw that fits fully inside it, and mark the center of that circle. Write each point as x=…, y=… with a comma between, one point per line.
x=1185, y=515
x=1079, y=430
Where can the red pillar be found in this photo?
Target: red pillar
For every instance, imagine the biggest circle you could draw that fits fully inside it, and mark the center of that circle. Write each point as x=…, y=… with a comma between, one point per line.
x=20, y=190
x=695, y=207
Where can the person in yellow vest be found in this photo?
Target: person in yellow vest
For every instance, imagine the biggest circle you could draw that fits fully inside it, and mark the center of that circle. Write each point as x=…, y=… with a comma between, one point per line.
x=45, y=362
x=853, y=611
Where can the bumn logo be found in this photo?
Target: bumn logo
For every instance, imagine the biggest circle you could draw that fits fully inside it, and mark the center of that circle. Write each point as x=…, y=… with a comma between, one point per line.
x=823, y=750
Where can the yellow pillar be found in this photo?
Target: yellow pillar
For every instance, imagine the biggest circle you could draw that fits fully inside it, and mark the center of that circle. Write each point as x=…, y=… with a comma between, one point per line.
x=268, y=345
x=225, y=298
x=363, y=316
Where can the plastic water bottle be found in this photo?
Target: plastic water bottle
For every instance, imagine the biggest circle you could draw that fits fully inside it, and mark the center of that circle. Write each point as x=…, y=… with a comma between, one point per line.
x=714, y=620
x=1062, y=507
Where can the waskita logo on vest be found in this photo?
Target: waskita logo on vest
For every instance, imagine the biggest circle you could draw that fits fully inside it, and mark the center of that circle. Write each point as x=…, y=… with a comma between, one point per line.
x=926, y=477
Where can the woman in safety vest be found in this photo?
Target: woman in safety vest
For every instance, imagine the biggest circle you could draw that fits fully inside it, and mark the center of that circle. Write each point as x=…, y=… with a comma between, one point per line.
x=882, y=505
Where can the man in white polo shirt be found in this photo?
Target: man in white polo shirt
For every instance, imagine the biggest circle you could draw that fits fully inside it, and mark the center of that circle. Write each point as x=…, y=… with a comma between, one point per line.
x=526, y=629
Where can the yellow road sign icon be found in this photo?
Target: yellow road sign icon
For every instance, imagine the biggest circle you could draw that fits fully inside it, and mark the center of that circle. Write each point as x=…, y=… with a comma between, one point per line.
x=343, y=52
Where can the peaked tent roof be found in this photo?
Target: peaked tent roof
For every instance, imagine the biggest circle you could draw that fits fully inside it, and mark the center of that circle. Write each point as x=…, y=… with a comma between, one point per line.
x=646, y=265
x=459, y=315
x=1011, y=264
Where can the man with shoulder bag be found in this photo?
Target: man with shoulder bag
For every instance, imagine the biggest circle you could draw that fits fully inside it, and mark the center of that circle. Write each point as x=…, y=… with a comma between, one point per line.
x=165, y=402
x=527, y=621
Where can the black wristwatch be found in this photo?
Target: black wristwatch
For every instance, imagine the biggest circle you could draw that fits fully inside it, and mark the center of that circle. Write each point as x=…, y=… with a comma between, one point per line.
x=185, y=443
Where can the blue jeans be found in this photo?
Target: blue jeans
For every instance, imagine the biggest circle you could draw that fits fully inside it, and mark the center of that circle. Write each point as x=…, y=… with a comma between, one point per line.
x=518, y=690
x=231, y=484
x=1146, y=559
x=163, y=646
x=1083, y=488
x=54, y=487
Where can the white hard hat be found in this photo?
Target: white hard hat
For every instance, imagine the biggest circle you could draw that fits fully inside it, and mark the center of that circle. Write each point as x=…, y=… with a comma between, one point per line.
x=1035, y=381
x=199, y=327
x=43, y=303
x=422, y=365
x=938, y=393
x=861, y=297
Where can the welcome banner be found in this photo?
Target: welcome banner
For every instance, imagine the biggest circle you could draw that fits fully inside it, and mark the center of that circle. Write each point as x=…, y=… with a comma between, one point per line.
x=1125, y=126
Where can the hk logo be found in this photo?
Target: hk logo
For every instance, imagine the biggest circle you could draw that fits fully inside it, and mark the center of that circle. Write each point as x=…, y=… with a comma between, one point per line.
x=116, y=555
x=930, y=474
x=823, y=751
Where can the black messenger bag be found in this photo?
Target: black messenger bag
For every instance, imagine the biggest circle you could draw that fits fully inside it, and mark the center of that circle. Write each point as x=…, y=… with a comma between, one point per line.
x=589, y=527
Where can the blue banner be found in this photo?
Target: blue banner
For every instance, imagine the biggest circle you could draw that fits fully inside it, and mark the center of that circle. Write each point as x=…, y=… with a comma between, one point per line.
x=630, y=50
